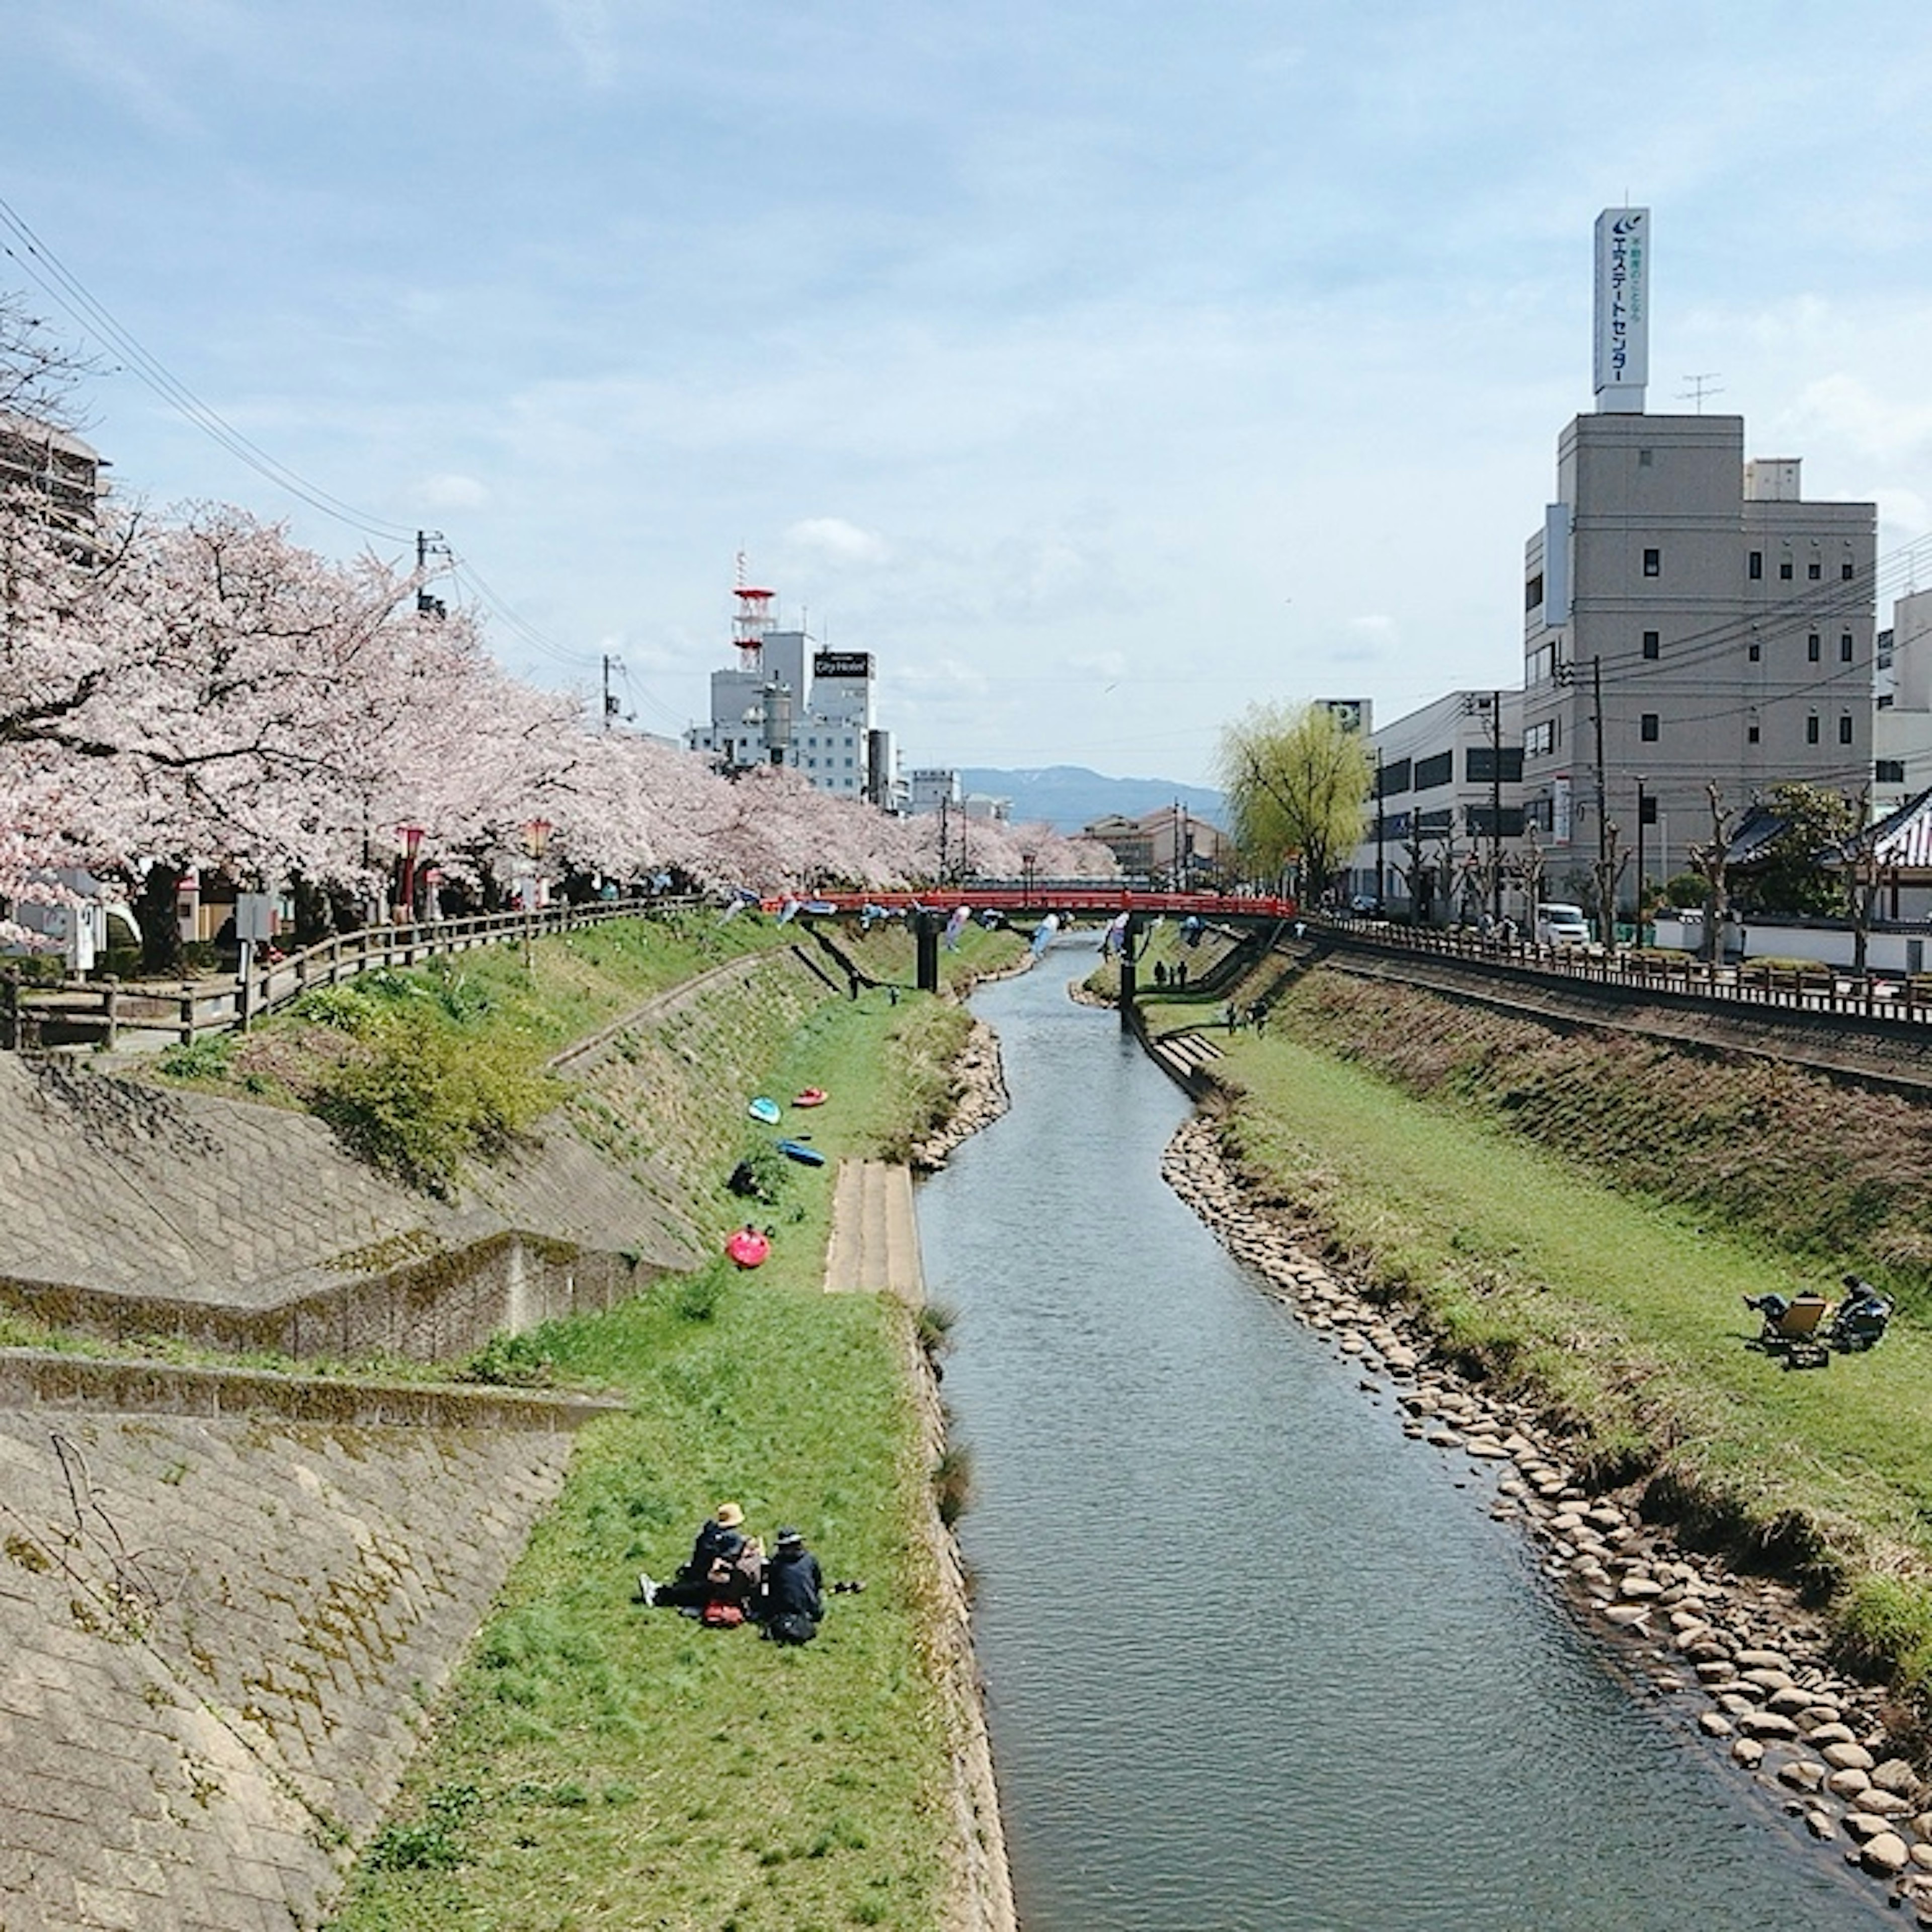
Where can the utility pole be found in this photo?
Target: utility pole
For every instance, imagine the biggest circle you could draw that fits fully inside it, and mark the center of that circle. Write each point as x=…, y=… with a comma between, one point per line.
x=609, y=696
x=1381, y=870
x=429, y=544
x=1607, y=906
x=1642, y=803
x=1496, y=807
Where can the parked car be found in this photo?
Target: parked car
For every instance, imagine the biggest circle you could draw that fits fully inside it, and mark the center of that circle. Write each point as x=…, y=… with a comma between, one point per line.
x=1365, y=905
x=1558, y=924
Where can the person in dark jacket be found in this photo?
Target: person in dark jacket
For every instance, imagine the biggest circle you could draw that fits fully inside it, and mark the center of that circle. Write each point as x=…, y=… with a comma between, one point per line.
x=724, y=1564
x=791, y=1600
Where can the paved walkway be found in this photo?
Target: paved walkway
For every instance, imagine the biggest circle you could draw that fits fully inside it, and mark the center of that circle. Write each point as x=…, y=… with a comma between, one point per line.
x=875, y=1245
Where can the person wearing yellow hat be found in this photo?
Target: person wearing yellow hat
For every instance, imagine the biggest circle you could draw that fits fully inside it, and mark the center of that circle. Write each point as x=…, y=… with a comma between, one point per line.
x=718, y=1557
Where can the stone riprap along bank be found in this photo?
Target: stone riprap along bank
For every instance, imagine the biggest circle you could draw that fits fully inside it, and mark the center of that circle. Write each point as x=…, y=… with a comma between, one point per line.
x=1739, y=1652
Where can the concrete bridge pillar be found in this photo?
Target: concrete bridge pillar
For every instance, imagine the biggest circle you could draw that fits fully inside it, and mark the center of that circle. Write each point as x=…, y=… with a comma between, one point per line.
x=1130, y=946
x=925, y=936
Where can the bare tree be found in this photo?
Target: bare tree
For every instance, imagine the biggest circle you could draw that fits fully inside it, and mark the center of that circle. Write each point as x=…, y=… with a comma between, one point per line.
x=1707, y=860
x=1864, y=874
x=38, y=372
x=1606, y=874
x=1420, y=876
x=1530, y=869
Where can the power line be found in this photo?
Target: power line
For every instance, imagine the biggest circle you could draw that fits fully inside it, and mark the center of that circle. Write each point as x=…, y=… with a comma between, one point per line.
x=39, y=262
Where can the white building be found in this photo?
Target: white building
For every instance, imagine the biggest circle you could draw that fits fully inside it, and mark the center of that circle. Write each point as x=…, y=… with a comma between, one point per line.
x=1902, y=723
x=1447, y=808
x=786, y=702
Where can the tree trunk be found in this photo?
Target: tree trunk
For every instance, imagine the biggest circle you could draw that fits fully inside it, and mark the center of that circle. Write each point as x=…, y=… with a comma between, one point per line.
x=160, y=929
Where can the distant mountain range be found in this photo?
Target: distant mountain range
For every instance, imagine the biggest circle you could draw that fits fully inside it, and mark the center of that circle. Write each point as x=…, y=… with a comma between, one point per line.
x=1068, y=797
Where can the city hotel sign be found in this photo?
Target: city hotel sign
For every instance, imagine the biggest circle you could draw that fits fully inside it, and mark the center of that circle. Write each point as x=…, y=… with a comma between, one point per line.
x=1623, y=309
x=842, y=664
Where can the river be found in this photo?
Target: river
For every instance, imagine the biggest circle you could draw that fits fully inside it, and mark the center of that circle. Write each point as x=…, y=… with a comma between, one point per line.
x=1255, y=1659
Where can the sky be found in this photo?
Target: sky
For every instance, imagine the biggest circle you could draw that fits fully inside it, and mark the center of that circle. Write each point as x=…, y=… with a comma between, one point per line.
x=1103, y=368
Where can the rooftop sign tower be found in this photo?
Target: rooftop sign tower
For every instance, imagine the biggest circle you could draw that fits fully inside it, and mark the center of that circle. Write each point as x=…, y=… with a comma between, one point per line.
x=1623, y=309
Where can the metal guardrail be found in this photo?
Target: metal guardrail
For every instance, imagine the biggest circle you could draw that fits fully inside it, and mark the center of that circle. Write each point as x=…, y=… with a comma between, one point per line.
x=1888, y=999
x=103, y=1010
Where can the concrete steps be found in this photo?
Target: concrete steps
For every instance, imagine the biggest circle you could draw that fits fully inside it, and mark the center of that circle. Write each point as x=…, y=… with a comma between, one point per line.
x=1184, y=1055
x=874, y=1245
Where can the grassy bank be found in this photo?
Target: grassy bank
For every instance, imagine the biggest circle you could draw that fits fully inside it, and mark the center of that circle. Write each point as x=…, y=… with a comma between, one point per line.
x=597, y=1764
x=1809, y=1166
x=1619, y=1311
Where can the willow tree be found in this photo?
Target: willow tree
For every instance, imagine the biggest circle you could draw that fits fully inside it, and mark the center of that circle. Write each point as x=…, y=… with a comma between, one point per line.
x=1297, y=782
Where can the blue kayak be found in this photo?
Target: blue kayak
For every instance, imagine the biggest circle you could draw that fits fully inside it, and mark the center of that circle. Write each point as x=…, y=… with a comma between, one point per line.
x=807, y=1156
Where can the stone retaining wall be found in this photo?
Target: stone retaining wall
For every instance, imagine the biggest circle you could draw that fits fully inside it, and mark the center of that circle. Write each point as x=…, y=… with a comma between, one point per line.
x=219, y=1639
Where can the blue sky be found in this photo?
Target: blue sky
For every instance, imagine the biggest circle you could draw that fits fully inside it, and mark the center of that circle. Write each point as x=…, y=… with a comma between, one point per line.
x=1101, y=367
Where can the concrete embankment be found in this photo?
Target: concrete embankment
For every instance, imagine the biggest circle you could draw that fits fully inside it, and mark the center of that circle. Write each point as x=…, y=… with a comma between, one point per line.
x=229, y=1602
x=221, y=1636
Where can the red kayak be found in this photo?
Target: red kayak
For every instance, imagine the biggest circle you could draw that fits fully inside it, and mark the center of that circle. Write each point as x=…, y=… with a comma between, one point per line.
x=748, y=1247
x=812, y=1096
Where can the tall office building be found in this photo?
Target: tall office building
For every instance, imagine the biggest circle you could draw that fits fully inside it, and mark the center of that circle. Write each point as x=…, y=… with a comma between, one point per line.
x=1689, y=618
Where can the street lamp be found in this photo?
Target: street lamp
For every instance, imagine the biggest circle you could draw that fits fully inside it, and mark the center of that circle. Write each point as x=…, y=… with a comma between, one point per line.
x=1027, y=860
x=536, y=837
x=412, y=836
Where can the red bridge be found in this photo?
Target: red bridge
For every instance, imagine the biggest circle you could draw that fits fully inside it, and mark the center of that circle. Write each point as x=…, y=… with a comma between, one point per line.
x=1070, y=898
x=1078, y=898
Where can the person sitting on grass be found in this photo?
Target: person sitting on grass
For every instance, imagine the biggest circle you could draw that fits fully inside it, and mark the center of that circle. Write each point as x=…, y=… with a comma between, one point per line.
x=791, y=1598
x=726, y=1566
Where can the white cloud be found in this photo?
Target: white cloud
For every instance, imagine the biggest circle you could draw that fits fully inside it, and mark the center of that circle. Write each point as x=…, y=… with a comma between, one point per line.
x=831, y=540
x=451, y=492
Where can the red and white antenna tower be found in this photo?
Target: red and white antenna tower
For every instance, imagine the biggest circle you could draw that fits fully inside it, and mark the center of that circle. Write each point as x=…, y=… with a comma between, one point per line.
x=753, y=618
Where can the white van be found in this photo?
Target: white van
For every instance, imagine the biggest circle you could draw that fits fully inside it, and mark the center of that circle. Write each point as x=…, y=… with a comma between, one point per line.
x=1558, y=924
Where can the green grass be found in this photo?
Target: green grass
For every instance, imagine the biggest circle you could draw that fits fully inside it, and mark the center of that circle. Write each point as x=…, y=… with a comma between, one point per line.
x=599, y=1765
x=1623, y=1317
x=631, y=1768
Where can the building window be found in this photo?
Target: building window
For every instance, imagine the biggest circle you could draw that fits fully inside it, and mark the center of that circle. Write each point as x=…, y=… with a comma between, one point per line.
x=1751, y=734
x=1784, y=569
x=1647, y=727
x=1814, y=570
x=1653, y=563
x=1811, y=729
x=1844, y=727
x=1439, y=770
x=1652, y=644
x=1645, y=458
x=1756, y=651
x=1845, y=571
x=1814, y=648
x=1755, y=569
x=1844, y=647
x=1889, y=771
x=1532, y=592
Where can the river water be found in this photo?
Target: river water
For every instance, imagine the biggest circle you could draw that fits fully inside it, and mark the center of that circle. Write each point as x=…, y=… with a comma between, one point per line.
x=1254, y=1660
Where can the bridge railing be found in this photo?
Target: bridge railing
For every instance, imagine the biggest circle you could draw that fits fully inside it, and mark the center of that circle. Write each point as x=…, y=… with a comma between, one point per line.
x=1891, y=999
x=1088, y=898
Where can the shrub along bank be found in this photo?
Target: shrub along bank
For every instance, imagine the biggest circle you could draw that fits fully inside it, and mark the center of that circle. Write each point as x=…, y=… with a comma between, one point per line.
x=1577, y=1218
x=597, y=1764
